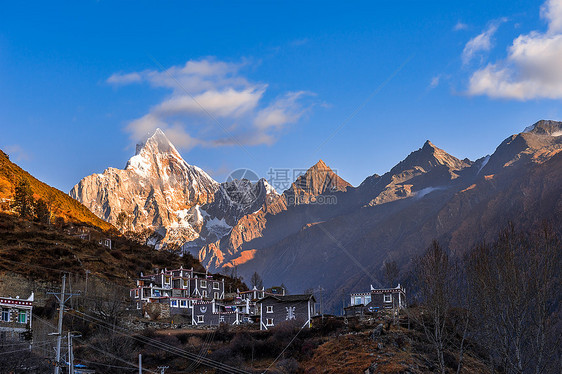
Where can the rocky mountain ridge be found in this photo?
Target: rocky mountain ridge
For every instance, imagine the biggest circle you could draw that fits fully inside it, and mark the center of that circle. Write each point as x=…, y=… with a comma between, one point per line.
x=157, y=191
x=167, y=199
x=457, y=202
x=348, y=232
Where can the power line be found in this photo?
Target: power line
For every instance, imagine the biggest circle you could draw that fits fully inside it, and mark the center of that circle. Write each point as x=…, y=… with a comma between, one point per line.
x=107, y=365
x=284, y=349
x=114, y=357
x=99, y=349
x=160, y=345
x=26, y=349
x=166, y=347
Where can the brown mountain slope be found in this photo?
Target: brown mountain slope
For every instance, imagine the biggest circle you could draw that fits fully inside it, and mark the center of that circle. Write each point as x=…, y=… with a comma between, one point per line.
x=62, y=205
x=38, y=253
x=520, y=182
x=320, y=195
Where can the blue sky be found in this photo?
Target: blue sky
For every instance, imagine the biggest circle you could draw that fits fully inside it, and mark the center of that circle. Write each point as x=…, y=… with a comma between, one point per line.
x=276, y=84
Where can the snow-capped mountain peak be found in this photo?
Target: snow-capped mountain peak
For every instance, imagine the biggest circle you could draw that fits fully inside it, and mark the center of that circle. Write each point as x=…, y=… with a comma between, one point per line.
x=155, y=185
x=157, y=143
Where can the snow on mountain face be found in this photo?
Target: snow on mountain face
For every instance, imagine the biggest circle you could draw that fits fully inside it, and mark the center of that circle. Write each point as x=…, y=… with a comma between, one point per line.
x=237, y=198
x=156, y=190
x=167, y=200
x=545, y=127
x=233, y=200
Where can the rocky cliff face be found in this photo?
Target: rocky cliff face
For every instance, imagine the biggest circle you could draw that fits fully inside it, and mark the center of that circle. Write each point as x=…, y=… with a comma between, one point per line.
x=157, y=190
x=173, y=203
x=426, y=170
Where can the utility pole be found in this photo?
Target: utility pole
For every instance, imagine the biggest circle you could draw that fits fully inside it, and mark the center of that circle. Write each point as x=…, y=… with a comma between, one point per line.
x=140, y=363
x=163, y=369
x=321, y=290
x=86, y=290
x=71, y=351
x=62, y=298
x=70, y=360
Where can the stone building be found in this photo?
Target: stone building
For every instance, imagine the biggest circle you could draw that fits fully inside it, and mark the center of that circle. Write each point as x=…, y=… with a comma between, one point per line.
x=376, y=299
x=276, y=309
x=15, y=317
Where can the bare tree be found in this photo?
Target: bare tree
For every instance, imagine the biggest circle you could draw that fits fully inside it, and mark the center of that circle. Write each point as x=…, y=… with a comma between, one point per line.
x=433, y=277
x=256, y=281
x=391, y=273
x=16, y=356
x=516, y=284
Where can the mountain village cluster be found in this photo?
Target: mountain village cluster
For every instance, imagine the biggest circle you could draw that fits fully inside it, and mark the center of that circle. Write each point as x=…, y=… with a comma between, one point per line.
x=202, y=300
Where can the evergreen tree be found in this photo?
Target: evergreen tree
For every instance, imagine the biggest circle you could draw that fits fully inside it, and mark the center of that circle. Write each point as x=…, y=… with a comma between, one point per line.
x=23, y=199
x=42, y=213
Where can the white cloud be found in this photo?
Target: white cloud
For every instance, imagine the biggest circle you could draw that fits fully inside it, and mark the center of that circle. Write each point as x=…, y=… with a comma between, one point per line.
x=145, y=126
x=460, y=26
x=122, y=79
x=283, y=111
x=532, y=68
x=435, y=81
x=212, y=104
x=227, y=103
x=552, y=12
x=481, y=42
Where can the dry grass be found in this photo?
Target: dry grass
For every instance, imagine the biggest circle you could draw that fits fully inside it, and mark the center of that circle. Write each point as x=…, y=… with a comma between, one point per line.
x=40, y=252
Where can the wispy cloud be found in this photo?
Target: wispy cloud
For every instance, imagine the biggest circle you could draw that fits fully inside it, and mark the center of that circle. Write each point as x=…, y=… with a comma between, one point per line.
x=212, y=104
x=460, y=26
x=299, y=42
x=532, y=68
x=17, y=153
x=286, y=109
x=435, y=81
x=122, y=79
x=481, y=42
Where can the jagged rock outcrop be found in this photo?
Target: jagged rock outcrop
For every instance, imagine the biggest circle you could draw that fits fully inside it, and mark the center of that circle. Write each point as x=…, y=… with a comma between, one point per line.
x=232, y=201
x=157, y=190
